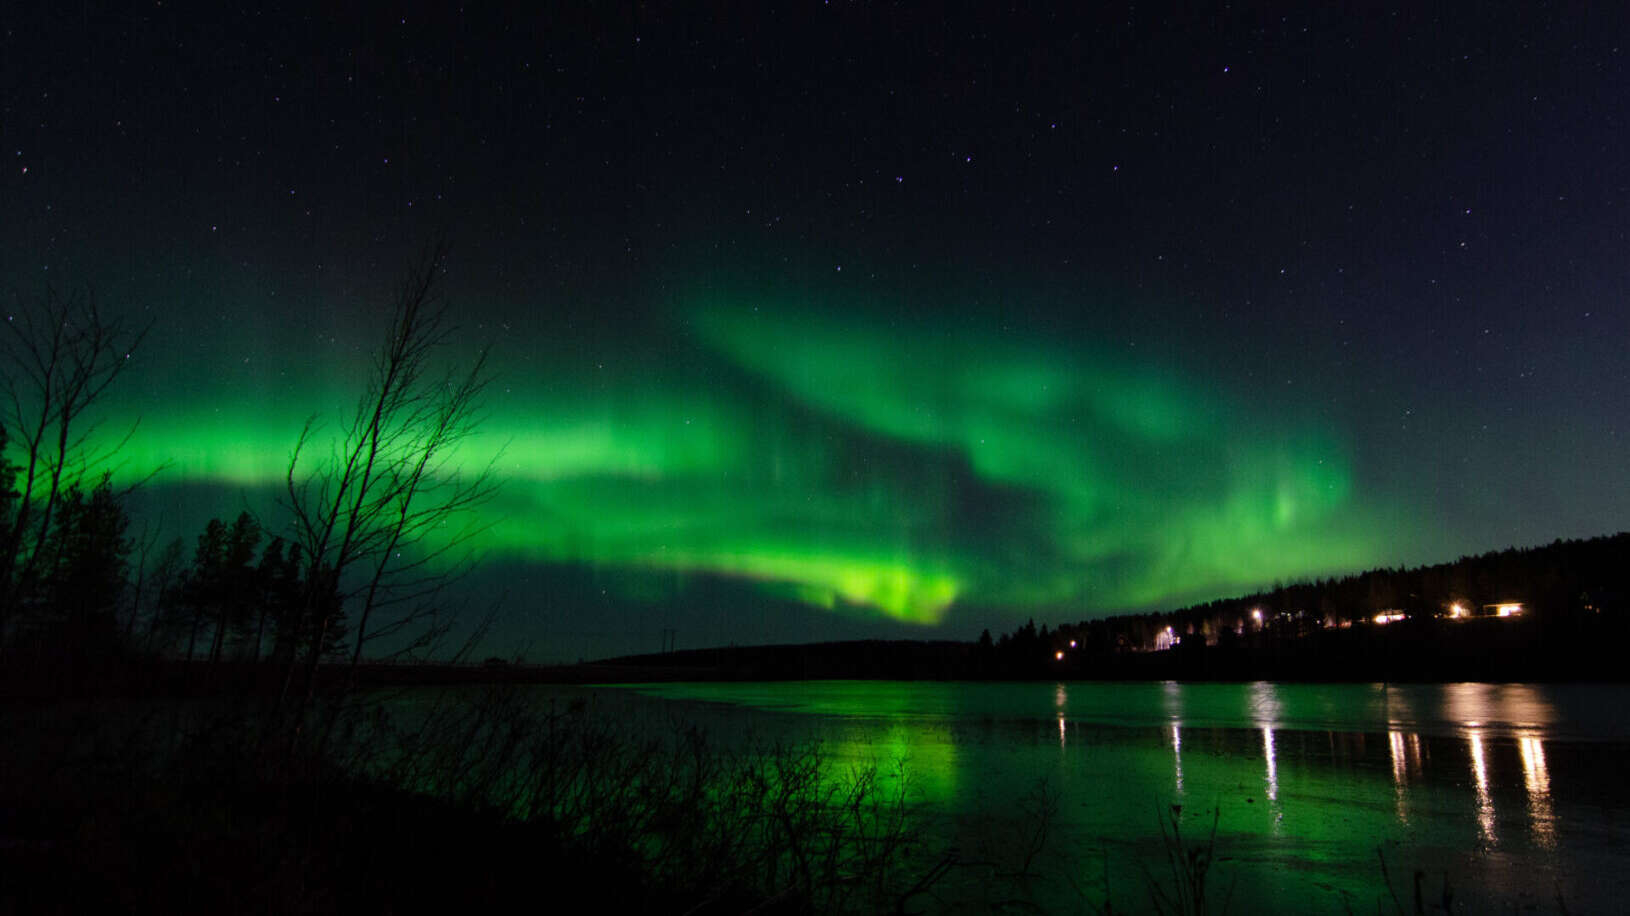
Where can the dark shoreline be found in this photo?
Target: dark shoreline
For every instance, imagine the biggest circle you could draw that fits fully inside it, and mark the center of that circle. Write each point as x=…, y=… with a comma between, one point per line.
x=1494, y=651
x=1426, y=651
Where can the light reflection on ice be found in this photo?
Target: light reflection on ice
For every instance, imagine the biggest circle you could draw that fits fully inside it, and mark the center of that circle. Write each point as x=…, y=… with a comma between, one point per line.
x=1177, y=755
x=1273, y=766
x=1485, y=801
x=1537, y=780
x=1400, y=772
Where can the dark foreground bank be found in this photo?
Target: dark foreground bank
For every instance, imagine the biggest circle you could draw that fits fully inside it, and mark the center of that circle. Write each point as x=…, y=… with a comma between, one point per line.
x=453, y=802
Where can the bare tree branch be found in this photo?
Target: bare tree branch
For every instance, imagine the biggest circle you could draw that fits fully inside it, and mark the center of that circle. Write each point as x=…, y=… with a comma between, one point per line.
x=373, y=515
x=58, y=356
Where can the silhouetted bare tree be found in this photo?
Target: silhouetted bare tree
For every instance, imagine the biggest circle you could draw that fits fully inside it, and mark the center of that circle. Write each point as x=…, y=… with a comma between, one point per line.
x=376, y=518
x=58, y=355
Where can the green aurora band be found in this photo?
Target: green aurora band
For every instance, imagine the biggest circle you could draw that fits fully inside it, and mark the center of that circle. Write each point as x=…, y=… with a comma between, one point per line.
x=838, y=460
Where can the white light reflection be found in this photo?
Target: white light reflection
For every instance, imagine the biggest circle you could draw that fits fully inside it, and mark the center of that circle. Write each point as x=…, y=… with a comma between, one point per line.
x=1265, y=709
x=1173, y=692
x=1406, y=758
x=1061, y=702
x=1518, y=706
x=1273, y=768
x=1400, y=774
x=1537, y=780
x=1173, y=696
x=1485, y=801
x=1177, y=756
x=1264, y=704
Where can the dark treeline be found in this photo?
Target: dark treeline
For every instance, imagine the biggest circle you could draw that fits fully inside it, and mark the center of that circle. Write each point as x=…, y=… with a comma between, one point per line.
x=1571, y=622
x=1566, y=603
x=83, y=598
x=355, y=557
x=1568, y=619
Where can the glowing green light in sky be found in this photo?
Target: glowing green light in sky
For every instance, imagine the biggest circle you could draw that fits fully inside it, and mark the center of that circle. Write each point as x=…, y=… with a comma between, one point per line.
x=1132, y=462
x=827, y=455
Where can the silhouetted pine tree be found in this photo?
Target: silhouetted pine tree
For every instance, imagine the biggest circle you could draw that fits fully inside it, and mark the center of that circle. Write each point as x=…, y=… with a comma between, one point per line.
x=200, y=587
x=84, y=573
x=167, y=615
x=239, y=590
x=285, y=602
x=265, y=606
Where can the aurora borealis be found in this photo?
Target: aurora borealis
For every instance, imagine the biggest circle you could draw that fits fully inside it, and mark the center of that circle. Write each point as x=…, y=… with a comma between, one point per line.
x=889, y=323
x=832, y=462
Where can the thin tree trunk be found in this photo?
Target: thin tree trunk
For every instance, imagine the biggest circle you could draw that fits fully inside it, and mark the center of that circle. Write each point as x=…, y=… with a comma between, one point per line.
x=192, y=641
x=219, y=640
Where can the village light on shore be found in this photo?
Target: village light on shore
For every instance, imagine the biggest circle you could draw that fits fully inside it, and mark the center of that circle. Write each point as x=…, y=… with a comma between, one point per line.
x=1165, y=639
x=1457, y=611
x=1058, y=656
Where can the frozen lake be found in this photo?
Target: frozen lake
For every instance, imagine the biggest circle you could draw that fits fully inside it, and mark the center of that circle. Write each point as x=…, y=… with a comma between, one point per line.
x=1510, y=794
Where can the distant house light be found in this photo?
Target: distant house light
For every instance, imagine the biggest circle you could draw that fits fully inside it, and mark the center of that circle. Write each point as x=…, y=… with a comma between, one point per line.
x=1165, y=639
x=1507, y=609
x=1458, y=611
x=1058, y=656
x=1389, y=616
x=1072, y=643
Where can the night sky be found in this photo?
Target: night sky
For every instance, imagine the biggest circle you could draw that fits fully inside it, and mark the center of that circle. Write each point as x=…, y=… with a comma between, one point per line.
x=849, y=320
